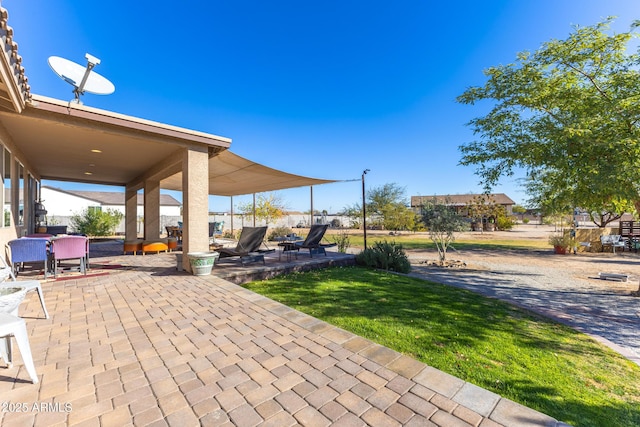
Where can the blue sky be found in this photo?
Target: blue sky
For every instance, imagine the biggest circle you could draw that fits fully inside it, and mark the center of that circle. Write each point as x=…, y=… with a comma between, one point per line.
x=324, y=89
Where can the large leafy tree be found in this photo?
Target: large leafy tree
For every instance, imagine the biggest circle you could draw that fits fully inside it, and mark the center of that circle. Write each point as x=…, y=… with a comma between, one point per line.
x=388, y=204
x=567, y=115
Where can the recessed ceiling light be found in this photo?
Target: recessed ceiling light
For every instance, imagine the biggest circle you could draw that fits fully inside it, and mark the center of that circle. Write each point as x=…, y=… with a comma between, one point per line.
x=88, y=173
x=96, y=151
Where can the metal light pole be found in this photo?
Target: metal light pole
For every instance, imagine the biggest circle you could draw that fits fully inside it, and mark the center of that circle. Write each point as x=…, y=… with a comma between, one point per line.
x=364, y=210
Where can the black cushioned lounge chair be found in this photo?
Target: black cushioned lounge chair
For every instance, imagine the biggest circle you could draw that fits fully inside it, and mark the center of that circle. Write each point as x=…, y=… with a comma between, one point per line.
x=248, y=247
x=312, y=242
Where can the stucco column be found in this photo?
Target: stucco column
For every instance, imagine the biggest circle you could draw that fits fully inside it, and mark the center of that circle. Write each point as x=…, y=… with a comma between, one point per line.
x=195, y=202
x=130, y=214
x=151, y=210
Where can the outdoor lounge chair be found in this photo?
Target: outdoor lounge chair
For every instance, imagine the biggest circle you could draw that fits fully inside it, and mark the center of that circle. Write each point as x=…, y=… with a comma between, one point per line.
x=248, y=247
x=312, y=242
x=28, y=249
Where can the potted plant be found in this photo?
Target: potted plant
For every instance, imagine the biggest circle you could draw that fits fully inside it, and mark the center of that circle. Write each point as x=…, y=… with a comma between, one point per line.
x=561, y=242
x=202, y=262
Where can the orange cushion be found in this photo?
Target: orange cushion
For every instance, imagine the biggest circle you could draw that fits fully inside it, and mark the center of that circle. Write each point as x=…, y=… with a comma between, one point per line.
x=154, y=246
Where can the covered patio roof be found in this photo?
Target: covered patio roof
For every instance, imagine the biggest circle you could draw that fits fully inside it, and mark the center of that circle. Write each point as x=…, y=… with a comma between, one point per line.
x=71, y=142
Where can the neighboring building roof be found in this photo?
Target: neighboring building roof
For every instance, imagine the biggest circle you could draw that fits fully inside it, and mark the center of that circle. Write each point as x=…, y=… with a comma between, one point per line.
x=113, y=198
x=460, y=199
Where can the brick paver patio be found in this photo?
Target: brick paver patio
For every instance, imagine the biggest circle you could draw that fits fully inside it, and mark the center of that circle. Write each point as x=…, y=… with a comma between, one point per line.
x=152, y=346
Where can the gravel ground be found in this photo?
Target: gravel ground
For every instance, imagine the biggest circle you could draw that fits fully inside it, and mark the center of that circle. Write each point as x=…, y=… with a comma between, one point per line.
x=563, y=287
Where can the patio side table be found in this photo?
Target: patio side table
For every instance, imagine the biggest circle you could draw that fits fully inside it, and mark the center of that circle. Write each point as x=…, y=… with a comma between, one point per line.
x=289, y=248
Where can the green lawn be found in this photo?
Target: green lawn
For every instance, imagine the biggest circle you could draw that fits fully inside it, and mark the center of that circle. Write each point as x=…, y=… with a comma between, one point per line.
x=422, y=241
x=521, y=356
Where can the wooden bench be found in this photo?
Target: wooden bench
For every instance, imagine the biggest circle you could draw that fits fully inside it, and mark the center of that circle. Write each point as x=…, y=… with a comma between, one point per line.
x=132, y=246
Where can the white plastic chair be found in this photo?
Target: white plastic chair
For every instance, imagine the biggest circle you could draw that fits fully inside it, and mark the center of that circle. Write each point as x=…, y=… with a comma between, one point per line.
x=14, y=326
x=30, y=285
x=613, y=240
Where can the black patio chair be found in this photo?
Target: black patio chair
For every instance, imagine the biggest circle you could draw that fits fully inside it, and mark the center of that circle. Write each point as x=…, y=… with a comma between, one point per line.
x=248, y=247
x=314, y=239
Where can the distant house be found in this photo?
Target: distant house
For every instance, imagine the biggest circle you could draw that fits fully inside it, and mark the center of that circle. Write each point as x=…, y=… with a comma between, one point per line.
x=65, y=203
x=461, y=201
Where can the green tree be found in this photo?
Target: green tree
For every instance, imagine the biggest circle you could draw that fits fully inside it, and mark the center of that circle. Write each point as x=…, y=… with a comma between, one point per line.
x=518, y=210
x=442, y=222
x=269, y=207
x=483, y=207
x=245, y=210
x=95, y=222
x=568, y=115
x=387, y=205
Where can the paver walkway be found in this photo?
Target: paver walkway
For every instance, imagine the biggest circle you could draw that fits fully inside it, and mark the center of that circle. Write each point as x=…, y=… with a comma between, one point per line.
x=155, y=347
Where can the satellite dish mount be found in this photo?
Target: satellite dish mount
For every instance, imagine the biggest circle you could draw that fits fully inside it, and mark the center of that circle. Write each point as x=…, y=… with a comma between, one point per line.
x=89, y=80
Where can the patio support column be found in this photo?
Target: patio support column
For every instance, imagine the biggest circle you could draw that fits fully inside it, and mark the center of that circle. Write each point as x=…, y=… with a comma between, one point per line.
x=195, y=202
x=231, y=215
x=151, y=210
x=311, y=198
x=130, y=214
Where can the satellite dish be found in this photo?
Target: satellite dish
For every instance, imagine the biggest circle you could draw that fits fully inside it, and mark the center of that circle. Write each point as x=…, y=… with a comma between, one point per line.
x=83, y=79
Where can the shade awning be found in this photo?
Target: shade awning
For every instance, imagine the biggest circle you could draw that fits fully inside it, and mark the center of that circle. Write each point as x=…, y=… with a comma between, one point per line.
x=232, y=175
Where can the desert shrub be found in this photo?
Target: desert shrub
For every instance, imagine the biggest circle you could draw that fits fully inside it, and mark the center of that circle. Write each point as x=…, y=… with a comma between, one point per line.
x=95, y=222
x=505, y=223
x=386, y=256
x=442, y=222
x=278, y=232
x=342, y=240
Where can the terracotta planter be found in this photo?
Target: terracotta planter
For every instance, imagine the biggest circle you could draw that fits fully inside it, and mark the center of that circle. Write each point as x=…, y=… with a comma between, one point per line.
x=560, y=250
